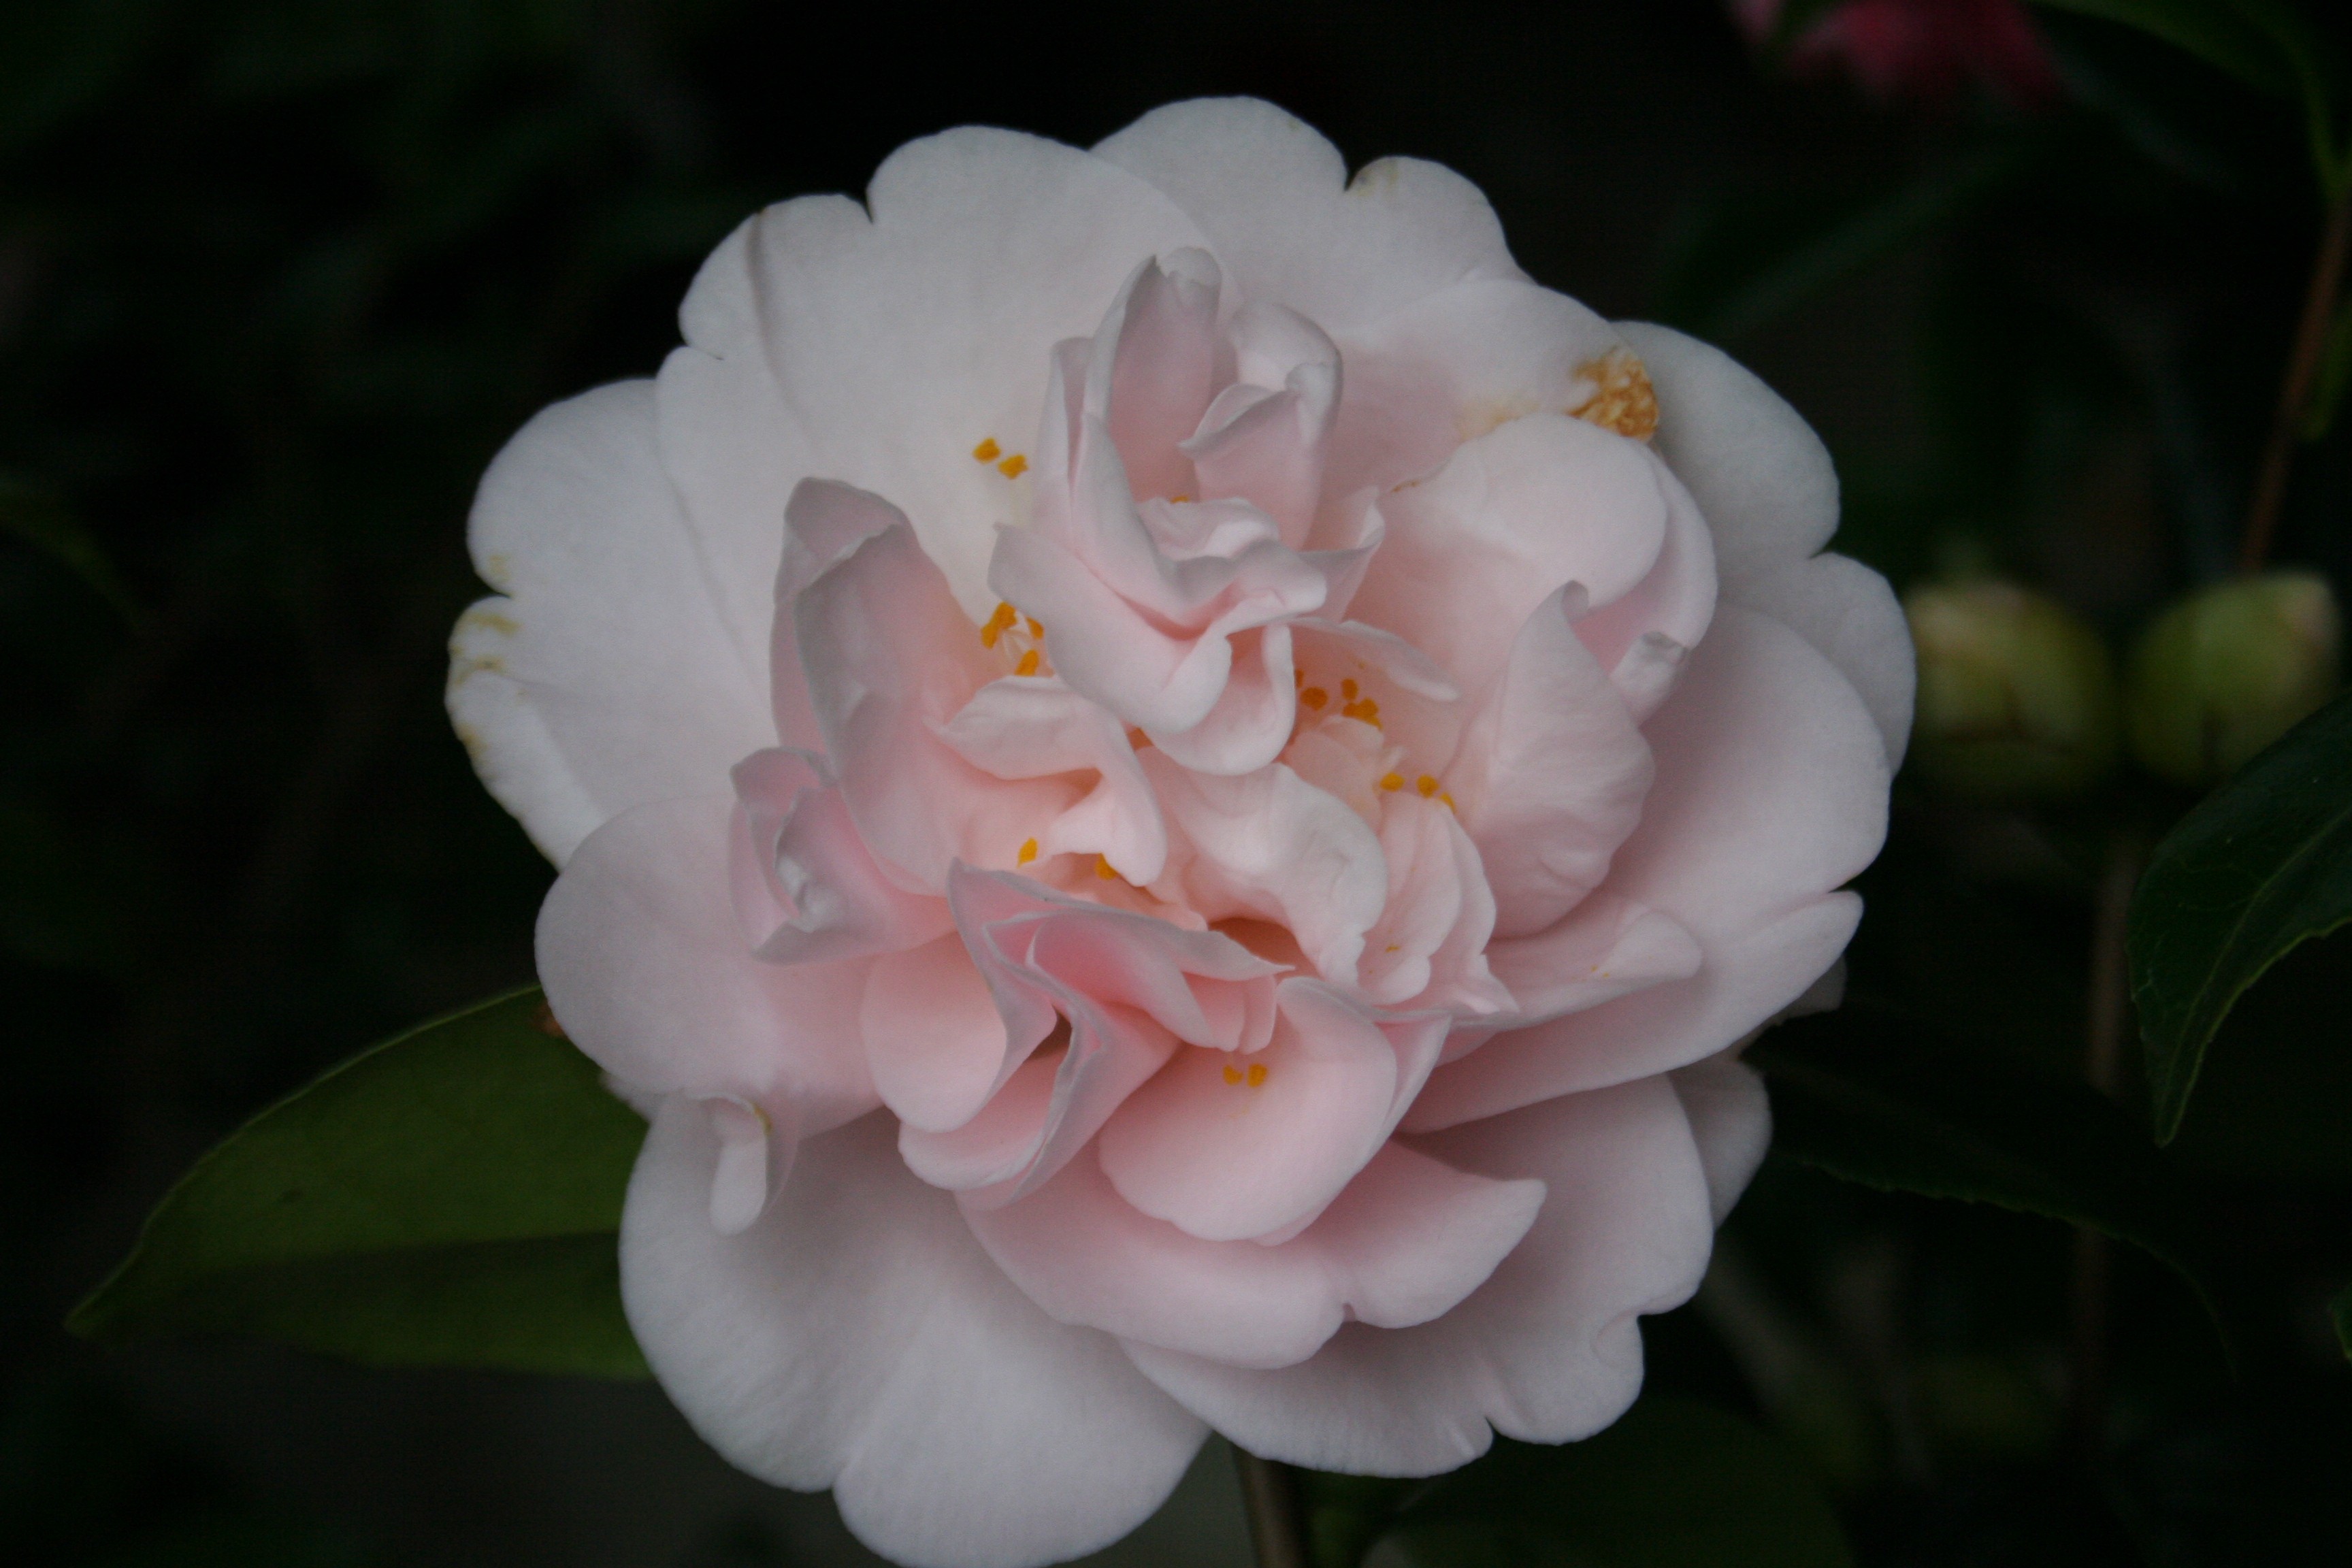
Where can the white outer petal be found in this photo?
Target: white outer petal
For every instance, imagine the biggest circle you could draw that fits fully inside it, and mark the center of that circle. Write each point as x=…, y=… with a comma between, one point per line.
x=857, y=1337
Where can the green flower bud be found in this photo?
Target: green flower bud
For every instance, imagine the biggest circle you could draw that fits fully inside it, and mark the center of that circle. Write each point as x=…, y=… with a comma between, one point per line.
x=2227, y=670
x=2017, y=697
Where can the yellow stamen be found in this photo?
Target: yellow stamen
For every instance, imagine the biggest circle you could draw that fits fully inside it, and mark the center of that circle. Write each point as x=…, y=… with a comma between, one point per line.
x=1028, y=850
x=1348, y=690
x=1102, y=869
x=1138, y=739
x=987, y=452
x=997, y=625
x=1028, y=664
x=1256, y=1074
x=1037, y=626
x=1232, y=1073
x=1623, y=398
x=1178, y=501
x=1363, y=709
x=1427, y=785
x=1393, y=781
x=1013, y=467
x=1315, y=697
x=1446, y=800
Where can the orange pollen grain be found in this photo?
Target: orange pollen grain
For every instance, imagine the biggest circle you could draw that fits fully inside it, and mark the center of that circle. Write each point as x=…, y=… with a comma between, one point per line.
x=1315, y=697
x=1036, y=627
x=1028, y=664
x=1446, y=800
x=1427, y=785
x=1364, y=709
x=1297, y=675
x=1178, y=501
x=1102, y=869
x=1013, y=467
x=1256, y=1074
x=1393, y=781
x=1028, y=850
x=1232, y=1073
x=1138, y=739
x=1350, y=689
x=987, y=452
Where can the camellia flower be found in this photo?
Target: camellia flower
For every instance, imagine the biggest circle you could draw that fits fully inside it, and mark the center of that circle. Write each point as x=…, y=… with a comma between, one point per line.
x=1175, y=791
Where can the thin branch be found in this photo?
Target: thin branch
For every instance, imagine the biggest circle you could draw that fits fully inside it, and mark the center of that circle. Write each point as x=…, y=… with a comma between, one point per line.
x=1278, y=1514
x=2294, y=392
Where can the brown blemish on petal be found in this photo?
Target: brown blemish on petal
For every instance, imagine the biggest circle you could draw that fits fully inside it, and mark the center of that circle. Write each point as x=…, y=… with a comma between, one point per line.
x=1624, y=400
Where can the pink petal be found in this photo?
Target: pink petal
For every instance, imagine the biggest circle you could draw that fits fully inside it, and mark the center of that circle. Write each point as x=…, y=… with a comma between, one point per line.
x=1514, y=515
x=1551, y=774
x=1161, y=348
x=1546, y=1350
x=1269, y=844
x=933, y=1036
x=1453, y=365
x=806, y=888
x=1280, y=213
x=646, y=970
x=1269, y=450
x=1226, y=1152
x=1641, y=636
x=1731, y=1121
x=1848, y=612
x=1760, y=476
x=607, y=677
x=1027, y=729
x=890, y=658
x=975, y=252
x=858, y=1338
x=1130, y=986
x=1605, y=948
x=1771, y=794
x=1408, y=1239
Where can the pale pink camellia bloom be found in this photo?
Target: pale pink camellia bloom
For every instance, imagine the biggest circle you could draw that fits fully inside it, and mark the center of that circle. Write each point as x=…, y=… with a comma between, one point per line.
x=1176, y=791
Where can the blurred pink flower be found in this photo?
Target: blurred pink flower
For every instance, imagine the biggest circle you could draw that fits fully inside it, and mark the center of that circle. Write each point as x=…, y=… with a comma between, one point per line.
x=1921, y=49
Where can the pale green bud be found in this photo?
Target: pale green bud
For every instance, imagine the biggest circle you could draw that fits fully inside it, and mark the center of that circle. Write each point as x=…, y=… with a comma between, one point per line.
x=2017, y=696
x=2227, y=670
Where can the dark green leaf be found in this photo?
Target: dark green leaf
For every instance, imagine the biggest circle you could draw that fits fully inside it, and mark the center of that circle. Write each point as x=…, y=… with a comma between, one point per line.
x=450, y=1196
x=2262, y=864
x=34, y=518
x=2213, y=30
x=1748, y=260
x=1873, y=1097
x=1674, y=1484
x=2340, y=1309
x=2266, y=44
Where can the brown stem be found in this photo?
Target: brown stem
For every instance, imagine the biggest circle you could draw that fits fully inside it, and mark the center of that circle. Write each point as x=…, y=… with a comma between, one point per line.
x=2301, y=370
x=2105, y=1021
x=1278, y=1514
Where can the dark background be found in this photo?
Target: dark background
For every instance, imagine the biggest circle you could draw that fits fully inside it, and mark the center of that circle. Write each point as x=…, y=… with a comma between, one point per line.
x=276, y=280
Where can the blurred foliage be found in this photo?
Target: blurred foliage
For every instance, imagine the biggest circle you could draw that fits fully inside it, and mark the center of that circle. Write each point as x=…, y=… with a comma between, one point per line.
x=276, y=278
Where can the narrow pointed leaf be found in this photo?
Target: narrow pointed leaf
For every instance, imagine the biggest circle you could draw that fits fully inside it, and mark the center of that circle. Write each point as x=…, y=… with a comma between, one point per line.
x=2263, y=865
x=451, y=1197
